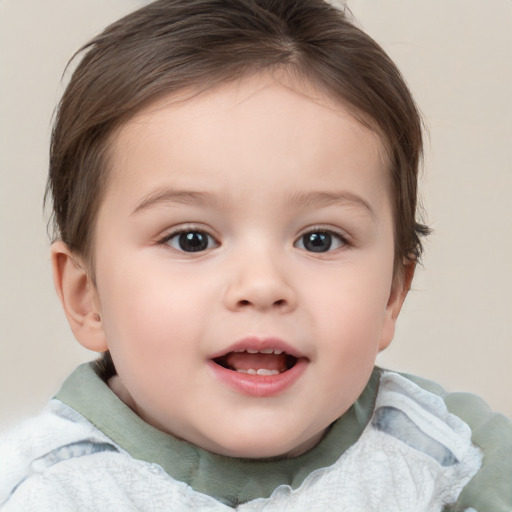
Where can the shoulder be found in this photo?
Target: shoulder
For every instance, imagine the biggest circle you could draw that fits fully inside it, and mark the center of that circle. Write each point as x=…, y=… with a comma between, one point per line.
x=55, y=426
x=39, y=444
x=490, y=490
x=59, y=461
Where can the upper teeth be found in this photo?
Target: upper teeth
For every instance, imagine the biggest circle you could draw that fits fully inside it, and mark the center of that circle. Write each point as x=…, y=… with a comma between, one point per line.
x=260, y=371
x=263, y=351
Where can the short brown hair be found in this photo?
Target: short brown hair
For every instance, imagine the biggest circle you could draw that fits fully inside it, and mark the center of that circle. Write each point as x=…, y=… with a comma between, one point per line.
x=170, y=45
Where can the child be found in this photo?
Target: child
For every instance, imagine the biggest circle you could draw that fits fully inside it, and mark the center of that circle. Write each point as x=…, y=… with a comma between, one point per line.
x=234, y=192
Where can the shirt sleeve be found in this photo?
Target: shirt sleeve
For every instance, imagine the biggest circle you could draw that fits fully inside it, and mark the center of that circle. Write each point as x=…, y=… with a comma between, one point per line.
x=490, y=490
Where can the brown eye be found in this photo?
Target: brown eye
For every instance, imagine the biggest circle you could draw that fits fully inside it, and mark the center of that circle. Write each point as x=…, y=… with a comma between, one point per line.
x=191, y=241
x=320, y=241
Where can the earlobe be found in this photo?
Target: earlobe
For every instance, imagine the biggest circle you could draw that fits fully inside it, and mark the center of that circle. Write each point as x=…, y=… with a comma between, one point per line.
x=78, y=297
x=399, y=289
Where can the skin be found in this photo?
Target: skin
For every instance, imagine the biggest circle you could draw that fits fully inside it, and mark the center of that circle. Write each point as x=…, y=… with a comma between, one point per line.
x=253, y=166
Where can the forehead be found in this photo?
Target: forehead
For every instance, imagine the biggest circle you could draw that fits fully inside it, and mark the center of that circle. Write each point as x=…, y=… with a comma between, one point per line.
x=259, y=128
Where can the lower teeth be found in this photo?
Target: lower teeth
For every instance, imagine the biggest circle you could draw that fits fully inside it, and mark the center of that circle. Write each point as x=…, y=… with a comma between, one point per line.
x=261, y=371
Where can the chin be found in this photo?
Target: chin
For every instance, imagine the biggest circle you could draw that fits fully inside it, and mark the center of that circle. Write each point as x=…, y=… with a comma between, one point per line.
x=255, y=451
x=264, y=447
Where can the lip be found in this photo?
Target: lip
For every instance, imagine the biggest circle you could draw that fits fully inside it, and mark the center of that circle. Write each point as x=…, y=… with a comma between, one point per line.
x=259, y=385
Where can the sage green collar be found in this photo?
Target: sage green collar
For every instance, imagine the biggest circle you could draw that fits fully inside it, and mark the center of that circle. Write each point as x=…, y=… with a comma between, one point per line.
x=229, y=480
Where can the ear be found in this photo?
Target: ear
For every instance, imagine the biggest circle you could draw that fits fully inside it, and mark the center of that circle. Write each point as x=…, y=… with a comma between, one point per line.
x=399, y=289
x=78, y=297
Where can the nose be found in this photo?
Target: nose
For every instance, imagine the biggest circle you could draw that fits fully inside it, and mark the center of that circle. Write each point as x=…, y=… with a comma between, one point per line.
x=259, y=282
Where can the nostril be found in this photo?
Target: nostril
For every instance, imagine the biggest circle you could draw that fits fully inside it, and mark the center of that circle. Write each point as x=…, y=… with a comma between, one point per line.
x=277, y=303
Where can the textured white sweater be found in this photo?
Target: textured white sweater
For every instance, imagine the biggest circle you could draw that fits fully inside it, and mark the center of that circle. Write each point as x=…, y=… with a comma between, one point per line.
x=413, y=456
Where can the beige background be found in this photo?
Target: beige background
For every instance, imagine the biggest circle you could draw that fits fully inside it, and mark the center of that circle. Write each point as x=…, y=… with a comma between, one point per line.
x=457, y=57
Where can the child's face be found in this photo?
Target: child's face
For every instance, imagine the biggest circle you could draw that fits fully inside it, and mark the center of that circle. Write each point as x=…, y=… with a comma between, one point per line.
x=249, y=218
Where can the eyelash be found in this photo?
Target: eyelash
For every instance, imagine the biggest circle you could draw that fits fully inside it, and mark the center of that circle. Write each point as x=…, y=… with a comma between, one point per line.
x=188, y=231
x=326, y=234
x=204, y=241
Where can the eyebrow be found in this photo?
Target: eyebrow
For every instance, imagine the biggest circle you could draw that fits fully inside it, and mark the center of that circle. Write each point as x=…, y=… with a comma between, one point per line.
x=169, y=195
x=320, y=199
x=295, y=200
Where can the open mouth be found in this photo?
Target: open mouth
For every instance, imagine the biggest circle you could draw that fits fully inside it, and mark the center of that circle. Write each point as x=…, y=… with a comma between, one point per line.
x=257, y=362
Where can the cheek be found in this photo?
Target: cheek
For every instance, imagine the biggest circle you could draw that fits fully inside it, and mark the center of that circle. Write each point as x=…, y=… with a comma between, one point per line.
x=154, y=336
x=350, y=305
x=152, y=313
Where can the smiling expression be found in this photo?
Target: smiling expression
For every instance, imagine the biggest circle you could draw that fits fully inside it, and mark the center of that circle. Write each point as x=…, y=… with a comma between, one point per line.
x=244, y=265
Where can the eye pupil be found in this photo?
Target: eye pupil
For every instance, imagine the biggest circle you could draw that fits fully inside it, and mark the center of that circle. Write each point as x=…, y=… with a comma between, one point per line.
x=317, y=242
x=193, y=241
